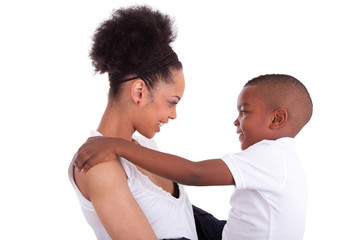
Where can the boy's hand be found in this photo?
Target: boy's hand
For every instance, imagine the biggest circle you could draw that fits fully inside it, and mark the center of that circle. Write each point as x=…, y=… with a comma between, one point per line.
x=95, y=150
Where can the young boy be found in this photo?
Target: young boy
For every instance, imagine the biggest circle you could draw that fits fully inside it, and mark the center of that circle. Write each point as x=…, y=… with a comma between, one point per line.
x=269, y=201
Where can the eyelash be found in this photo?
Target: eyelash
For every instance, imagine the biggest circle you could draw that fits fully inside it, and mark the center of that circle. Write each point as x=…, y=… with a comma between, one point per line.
x=173, y=104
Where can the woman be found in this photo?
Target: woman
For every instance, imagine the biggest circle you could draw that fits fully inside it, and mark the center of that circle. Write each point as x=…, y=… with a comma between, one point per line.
x=118, y=199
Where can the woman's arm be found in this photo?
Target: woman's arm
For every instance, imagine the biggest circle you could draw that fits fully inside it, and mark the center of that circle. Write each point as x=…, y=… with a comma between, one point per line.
x=105, y=185
x=178, y=169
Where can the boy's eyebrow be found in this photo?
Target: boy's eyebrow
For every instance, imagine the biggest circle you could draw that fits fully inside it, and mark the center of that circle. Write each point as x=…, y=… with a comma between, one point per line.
x=243, y=105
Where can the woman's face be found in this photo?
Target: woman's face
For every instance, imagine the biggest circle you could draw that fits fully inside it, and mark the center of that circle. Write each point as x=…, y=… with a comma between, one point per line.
x=161, y=107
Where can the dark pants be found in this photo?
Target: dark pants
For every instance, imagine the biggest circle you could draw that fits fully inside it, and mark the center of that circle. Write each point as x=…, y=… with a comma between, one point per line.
x=207, y=226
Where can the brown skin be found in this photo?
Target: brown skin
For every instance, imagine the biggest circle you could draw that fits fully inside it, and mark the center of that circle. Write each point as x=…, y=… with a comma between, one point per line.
x=105, y=185
x=255, y=123
x=177, y=169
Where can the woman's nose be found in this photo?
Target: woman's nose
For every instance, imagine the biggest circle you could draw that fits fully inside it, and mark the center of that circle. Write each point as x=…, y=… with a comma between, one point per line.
x=173, y=114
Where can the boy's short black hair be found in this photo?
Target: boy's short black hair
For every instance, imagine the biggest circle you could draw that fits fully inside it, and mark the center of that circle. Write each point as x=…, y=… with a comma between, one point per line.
x=285, y=91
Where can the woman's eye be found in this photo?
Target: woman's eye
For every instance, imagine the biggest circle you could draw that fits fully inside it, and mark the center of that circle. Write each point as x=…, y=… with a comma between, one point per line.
x=173, y=104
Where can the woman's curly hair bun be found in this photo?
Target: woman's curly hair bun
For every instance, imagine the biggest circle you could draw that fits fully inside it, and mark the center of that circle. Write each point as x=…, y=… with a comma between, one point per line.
x=131, y=38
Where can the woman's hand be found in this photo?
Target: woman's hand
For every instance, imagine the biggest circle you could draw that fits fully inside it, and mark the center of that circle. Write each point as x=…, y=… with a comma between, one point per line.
x=96, y=150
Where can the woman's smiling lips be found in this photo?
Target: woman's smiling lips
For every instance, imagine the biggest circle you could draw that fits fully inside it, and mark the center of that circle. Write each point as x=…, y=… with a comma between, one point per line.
x=160, y=124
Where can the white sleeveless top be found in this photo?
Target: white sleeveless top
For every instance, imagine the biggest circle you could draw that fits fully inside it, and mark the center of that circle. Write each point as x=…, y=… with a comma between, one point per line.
x=169, y=217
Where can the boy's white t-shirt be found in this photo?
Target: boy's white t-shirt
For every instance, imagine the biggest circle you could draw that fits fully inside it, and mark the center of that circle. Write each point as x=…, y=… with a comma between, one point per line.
x=169, y=217
x=269, y=200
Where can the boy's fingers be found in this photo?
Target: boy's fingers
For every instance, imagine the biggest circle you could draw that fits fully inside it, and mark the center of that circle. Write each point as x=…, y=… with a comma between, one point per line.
x=83, y=155
x=87, y=165
x=81, y=159
x=78, y=162
x=83, y=147
x=87, y=160
x=86, y=144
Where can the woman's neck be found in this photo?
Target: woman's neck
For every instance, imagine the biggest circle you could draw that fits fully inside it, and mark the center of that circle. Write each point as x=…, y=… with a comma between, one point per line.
x=115, y=123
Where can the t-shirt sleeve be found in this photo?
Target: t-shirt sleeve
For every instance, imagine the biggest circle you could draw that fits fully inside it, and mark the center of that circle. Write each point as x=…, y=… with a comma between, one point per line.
x=260, y=167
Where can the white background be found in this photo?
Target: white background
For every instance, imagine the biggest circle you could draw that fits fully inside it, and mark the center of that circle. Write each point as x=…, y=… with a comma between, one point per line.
x=50, y=99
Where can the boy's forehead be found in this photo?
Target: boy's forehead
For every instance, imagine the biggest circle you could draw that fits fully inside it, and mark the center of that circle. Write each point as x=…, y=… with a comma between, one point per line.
x=251, y=95
x=250, y=91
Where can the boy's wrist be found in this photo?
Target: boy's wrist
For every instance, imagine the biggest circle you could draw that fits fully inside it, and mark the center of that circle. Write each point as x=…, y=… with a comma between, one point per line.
x=120, y=146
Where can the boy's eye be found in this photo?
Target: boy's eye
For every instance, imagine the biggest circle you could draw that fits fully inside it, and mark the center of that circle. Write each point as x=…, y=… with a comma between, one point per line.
x=242, y=112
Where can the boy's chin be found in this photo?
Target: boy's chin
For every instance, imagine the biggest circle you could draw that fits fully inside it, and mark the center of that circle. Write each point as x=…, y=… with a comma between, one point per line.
x=242, y=146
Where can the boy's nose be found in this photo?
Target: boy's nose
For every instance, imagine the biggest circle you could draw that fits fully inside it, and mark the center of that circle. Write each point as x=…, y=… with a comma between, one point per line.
x=236, y=123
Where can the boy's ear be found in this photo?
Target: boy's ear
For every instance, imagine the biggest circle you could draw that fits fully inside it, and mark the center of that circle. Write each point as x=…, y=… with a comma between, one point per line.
x=279, y=118
x=138, y=91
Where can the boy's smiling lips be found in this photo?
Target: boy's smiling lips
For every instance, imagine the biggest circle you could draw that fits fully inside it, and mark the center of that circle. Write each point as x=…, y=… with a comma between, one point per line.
x=241, y=134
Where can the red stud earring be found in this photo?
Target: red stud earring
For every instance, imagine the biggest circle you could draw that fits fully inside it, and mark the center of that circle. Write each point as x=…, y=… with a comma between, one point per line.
x=137, y=102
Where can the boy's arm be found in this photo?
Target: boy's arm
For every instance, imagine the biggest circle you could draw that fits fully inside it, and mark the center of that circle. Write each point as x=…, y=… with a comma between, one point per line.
x=178, y=169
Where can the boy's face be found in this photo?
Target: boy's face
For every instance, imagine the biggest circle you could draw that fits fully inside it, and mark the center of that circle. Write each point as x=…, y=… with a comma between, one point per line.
x=254, y=120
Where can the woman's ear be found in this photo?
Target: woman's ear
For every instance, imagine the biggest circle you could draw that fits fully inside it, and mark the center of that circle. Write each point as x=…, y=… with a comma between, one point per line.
x=279, y=118
x=137, y=91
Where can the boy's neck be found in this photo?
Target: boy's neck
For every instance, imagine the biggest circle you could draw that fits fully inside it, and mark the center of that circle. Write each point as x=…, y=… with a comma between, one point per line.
x=279, y=135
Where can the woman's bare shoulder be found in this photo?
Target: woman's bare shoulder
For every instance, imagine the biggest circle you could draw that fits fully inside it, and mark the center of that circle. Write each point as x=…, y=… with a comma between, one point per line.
x=109, y=174
x=105, y=185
